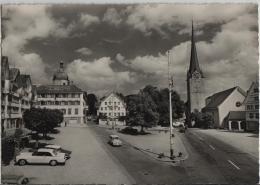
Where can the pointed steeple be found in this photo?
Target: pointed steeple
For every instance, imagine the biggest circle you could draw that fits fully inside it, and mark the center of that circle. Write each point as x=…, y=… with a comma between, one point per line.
x=194, y=63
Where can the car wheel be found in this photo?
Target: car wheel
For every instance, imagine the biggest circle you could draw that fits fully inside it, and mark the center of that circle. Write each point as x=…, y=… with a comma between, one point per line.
x=25, y=181
x=53, y=163
x=22, y=162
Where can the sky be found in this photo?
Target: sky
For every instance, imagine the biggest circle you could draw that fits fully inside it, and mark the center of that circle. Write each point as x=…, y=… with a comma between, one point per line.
x=123, y=47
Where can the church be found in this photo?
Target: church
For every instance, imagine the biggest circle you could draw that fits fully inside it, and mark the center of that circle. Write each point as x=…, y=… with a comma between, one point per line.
x=195, y=85
x=62, y=94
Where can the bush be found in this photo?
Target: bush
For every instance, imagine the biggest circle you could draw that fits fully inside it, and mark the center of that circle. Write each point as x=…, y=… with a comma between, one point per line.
x=55, y=131
x=8, y=150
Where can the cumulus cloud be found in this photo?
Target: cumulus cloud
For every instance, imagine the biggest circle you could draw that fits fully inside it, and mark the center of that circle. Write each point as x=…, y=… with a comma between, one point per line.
x=97, y=75
x=111, y=16
x=24, y=23
x=84, y=51
x=87, y=19
x=230, y=59
x=147, y=17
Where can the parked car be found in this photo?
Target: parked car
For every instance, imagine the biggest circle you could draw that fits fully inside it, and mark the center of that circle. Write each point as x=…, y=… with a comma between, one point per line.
x=42, y=156
x=114, y=140
x=129, y=130
x=59, y=149
x=14, y=179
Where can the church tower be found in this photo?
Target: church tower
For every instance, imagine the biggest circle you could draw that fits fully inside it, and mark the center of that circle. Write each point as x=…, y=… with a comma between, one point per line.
x=60, y=77
x=194, y=80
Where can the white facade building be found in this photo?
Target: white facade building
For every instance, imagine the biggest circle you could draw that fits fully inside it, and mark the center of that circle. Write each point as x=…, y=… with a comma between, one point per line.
x=64, y=96
x=220, y=104
x=111, y=109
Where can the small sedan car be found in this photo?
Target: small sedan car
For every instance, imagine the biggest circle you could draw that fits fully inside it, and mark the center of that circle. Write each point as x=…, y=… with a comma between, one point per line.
x=60, y=150
x=114, y=140
x=14, y=179
x=41, y=156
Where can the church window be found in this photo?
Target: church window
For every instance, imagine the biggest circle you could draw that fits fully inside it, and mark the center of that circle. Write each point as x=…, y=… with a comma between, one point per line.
x=105, y=103
x=251, y=115
x=256, y=107
x=101, y=108
x=69, y=111
x=256, y=90
x=72, y=95
x=257, y=115
x=76, y=111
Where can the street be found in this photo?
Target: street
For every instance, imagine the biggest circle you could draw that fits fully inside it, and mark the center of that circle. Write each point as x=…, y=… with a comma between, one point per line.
x=93, y=160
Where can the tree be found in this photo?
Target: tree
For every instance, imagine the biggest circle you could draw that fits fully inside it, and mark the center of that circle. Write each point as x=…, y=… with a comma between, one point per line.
x=202, y=120
x=42, y=120
x=92, y=101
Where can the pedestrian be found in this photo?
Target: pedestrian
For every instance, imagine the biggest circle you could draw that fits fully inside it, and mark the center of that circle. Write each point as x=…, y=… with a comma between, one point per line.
x=65, y=123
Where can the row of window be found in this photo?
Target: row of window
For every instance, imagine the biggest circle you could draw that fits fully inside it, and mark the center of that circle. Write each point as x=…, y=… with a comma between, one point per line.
x=109, y=108
x=59, y=102
x=69, y=112
x=115, y=114
x=62, y=95
x=110, y=103
x=254, y=115
x=252, y=107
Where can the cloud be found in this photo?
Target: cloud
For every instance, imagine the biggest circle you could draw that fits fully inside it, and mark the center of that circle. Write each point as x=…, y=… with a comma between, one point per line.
x=84, y=51
x=230, y=59
x=87, y=19
x=26, y=22
x=147, y=17
x=97, y=75
x=112, y=17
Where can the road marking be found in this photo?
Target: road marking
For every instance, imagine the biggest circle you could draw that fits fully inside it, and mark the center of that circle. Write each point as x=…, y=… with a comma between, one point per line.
x=233, y=164
x=212, y=147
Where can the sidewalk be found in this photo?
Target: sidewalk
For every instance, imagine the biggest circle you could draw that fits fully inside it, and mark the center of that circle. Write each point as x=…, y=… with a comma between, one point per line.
x=155, y=144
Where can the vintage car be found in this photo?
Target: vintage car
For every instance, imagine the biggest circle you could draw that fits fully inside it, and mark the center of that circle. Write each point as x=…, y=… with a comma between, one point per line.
x=41, y=156
x=14, y=179
x=59, y=149
x=114, y=140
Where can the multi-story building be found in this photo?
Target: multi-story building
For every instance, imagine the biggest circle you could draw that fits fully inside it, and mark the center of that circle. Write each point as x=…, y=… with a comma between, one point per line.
x=16, y=97
x=111, y=108
x=64, y=96
x=252, y=107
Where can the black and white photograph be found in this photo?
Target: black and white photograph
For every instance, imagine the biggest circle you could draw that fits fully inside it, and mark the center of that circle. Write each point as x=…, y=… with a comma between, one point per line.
x=130, y=93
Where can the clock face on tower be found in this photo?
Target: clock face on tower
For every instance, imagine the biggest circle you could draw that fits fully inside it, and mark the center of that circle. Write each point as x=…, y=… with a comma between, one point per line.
x=196, y=75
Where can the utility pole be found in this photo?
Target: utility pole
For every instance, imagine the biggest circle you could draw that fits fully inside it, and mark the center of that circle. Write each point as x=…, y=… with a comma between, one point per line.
x=170, y=80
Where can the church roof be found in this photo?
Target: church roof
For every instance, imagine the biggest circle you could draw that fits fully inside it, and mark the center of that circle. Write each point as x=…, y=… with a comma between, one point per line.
x=58, y=89
x=194, y=63
x=216, y=99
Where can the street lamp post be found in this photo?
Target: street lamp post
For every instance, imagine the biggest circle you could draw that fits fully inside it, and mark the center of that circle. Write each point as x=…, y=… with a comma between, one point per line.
x=170, y=80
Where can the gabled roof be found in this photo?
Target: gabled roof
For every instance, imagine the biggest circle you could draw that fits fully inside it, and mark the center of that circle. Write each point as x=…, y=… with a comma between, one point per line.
x=105, y=97
x=254, y=84
x=58, y=89
x=14, y=72
x=218, y=98
x=22, y=80
x=236, y=115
